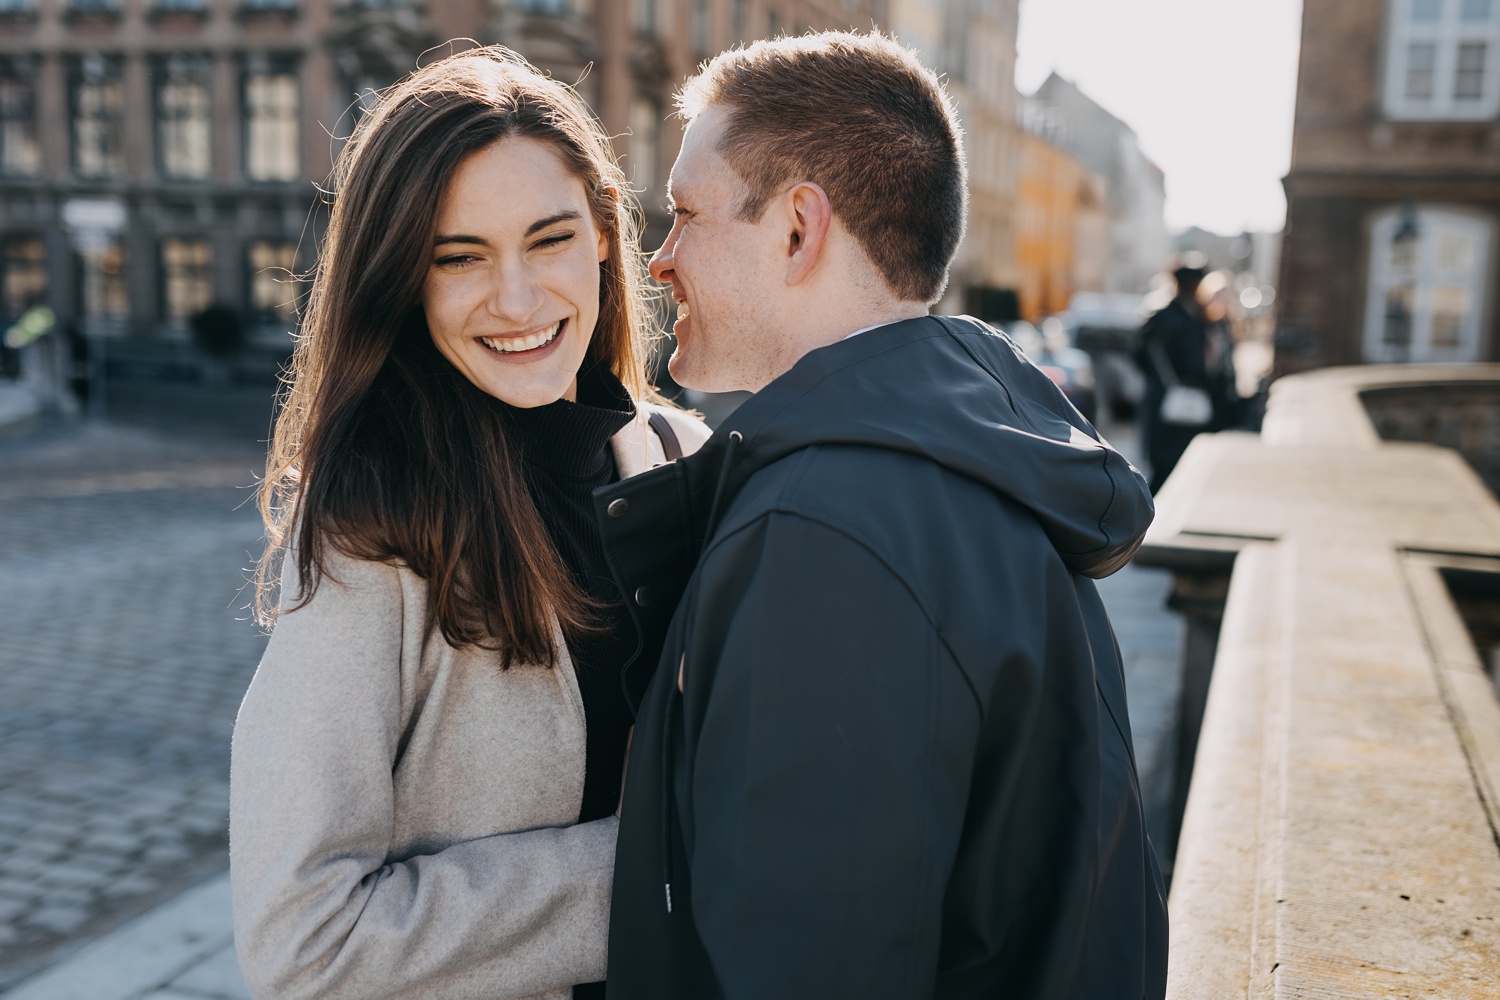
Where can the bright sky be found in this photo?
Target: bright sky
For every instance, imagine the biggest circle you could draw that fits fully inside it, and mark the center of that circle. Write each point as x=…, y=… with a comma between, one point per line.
x=1208, y=85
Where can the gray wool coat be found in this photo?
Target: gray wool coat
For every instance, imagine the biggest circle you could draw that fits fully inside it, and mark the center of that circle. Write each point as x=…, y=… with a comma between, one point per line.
x=403, y=814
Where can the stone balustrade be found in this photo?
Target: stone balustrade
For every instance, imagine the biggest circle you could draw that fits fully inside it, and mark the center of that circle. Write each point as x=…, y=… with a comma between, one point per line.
x=1340, y=574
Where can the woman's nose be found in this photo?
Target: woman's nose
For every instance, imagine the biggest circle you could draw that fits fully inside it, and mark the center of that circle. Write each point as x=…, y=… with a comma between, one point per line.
x=516, y=294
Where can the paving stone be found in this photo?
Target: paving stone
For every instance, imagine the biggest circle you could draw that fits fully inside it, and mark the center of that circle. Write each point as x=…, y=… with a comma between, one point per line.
x=130, y=885
x=120, y=843
x=66, y=895
x=59, y=918
x=72, y=876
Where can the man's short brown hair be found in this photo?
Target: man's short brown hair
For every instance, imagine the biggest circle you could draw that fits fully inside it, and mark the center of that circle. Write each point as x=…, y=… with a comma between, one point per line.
x=858, y=115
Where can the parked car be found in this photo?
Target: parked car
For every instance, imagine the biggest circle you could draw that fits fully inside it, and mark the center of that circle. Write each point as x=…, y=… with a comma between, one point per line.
x=1108, y=327
x=1051, y=350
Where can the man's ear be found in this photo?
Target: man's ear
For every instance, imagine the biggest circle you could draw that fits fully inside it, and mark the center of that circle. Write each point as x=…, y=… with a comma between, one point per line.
x=810, y=216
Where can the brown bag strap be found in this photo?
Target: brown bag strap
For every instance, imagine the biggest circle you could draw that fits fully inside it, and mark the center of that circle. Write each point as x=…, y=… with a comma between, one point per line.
x=663, y=428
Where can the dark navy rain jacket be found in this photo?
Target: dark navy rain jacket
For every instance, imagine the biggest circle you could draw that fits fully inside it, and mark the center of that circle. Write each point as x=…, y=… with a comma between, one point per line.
x=899, y=765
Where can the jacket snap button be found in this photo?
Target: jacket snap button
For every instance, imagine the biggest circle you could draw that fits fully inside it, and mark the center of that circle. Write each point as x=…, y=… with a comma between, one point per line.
x=617, y=508
x=642, y=596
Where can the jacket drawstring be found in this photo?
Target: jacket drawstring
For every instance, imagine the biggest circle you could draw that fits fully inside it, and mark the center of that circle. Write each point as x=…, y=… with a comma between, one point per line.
x=668, y=804
x=735, y=437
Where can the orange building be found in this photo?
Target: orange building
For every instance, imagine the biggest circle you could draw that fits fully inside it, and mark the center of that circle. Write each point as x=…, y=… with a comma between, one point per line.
x=1061, y=235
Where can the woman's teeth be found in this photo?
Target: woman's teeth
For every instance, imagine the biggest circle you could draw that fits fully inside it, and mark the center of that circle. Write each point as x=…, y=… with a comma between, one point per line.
x=530, y=342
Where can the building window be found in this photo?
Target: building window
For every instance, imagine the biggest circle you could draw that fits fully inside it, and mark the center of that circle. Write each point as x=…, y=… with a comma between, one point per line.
x=25, y=275
x=98, y=118
x=273, y=280
x=1443, y=59
x=20, y=151
x=645, y=139
x=187, y=278
x=554, y=8
x=183, y=110
x=1427, y=288
x=272, y=124
x=105, y=300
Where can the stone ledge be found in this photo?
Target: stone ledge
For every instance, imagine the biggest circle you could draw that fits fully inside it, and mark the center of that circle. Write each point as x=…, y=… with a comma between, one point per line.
x=1340, y=836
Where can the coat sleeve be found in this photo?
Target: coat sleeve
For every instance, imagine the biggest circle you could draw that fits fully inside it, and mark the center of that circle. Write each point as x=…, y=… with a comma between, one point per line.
x=829, y=775
x=318, y=909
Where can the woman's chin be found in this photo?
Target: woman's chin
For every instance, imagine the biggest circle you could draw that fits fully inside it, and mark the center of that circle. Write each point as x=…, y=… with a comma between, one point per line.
x=528, y=394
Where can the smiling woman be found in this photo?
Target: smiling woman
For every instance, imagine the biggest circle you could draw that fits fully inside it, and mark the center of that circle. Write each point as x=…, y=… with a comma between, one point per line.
x=513, y=291
x=426, y=767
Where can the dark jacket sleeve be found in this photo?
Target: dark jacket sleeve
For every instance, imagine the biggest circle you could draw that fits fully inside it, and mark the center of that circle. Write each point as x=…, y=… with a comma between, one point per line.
x=830, y=736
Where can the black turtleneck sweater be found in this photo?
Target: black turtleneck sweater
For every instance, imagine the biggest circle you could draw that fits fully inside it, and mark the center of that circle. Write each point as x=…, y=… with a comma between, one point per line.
x=566, y=453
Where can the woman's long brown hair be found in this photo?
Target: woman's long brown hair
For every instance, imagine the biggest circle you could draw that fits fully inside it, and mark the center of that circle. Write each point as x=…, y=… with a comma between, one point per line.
x=382, y=450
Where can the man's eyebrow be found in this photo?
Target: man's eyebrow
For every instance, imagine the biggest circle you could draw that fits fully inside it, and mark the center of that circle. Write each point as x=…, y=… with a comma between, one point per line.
x=552, y=220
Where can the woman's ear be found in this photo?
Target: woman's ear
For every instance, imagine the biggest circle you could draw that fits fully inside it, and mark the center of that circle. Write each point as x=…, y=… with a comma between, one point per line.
x=610, y=195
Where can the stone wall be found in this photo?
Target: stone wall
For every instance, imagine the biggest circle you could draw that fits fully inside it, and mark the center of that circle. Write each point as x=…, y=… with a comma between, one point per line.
x=1464, y=417
x=1340, y=831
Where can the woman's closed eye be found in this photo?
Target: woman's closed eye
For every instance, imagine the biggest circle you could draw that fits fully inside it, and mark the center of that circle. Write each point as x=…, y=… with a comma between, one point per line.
x=457, y=261
x=555, y=240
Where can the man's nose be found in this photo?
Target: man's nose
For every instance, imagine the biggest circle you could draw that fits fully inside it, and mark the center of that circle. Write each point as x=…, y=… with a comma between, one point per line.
x=662, y=264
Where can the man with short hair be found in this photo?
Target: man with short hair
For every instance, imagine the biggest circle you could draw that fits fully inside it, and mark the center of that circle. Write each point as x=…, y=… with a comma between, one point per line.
x=884, y=751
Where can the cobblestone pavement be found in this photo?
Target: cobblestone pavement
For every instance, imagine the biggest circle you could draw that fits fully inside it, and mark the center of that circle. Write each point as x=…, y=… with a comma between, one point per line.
x=124, y=651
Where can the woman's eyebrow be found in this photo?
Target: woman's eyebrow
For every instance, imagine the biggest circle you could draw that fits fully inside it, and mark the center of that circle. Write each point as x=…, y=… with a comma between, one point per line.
x=552, y=220
x=540, y=224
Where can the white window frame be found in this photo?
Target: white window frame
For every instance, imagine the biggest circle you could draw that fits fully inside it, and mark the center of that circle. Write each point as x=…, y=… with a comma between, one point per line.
x=1447, y=34
x=1432, y=222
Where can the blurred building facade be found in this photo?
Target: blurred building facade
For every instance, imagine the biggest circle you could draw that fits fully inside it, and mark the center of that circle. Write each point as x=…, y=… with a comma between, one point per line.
x=1062, y=233
x=1138, y=247
x=161, y=156
x=973, y=44
x=1394, y=190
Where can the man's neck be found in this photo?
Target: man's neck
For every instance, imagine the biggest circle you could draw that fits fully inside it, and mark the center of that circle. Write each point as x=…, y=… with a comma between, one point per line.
x=837, y=327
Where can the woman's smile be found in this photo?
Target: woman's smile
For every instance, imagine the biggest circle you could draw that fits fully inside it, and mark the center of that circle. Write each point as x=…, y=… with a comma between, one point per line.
x=528, y=346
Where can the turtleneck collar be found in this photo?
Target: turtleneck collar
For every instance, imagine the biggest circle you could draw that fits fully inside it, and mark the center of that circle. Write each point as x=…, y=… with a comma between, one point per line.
x=572, y=439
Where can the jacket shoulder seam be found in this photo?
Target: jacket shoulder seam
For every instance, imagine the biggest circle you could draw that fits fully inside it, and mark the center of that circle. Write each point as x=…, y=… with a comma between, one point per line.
x=885, y=562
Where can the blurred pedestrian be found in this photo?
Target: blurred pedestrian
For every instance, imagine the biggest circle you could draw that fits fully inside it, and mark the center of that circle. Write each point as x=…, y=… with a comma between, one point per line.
x=427, y=766
x=1188, y=362
x=885, y=751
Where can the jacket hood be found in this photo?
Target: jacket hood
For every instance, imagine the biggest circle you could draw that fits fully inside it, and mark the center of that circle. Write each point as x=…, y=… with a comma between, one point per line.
x=954, y=391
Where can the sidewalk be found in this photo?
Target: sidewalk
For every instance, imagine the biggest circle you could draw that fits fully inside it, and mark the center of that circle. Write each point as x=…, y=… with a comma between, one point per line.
x=18, y=407
x=183, y=950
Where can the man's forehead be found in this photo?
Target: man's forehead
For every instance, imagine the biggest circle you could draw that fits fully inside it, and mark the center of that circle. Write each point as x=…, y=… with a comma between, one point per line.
x=698, y=162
